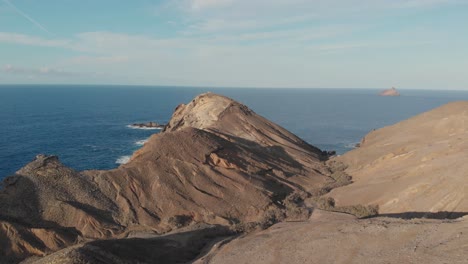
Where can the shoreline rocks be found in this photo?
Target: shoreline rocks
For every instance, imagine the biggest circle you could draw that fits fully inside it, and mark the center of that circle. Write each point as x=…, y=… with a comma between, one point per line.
x=154, y=125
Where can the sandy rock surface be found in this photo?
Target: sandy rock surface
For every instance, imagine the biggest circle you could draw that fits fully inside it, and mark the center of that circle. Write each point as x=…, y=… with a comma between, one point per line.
x=418, y=165
x=337, y=238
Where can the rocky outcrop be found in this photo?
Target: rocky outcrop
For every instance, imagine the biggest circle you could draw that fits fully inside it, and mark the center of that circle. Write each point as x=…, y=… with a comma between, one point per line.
x=390, y=92
x=47, y=206
x=154, y=125
x=217, y=162
x=417, y=165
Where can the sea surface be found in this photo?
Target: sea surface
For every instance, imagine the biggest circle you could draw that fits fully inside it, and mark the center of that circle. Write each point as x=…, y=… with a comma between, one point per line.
x=87, y=126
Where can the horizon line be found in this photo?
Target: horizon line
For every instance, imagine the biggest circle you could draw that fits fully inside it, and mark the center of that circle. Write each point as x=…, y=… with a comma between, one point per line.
x=231, y=87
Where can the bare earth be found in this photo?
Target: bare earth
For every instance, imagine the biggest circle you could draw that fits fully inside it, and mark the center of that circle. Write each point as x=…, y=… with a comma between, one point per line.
x=337, y=238
x=418, y=165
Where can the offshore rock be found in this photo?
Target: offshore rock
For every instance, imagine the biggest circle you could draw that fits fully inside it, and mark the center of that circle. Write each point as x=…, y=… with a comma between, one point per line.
x=390, y=92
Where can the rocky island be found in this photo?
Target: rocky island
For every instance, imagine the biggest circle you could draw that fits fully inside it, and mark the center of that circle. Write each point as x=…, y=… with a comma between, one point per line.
x=149, y=125
x=221, y=184
x=390, y=92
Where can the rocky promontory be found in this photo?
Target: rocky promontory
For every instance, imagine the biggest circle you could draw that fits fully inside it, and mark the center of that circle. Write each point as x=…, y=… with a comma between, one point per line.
x=217, y=162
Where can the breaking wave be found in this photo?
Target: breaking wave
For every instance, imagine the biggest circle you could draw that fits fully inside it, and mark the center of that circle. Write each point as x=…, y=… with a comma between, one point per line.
x=123, y=160
x=141, y=142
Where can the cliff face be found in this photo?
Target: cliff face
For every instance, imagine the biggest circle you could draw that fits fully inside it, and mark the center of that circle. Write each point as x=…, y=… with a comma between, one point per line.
x=418, y=165
x=217, y=162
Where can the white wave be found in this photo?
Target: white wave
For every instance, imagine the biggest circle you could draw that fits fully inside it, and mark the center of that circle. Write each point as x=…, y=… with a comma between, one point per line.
x=123, y=160
x=141, y=142
x=144, y=128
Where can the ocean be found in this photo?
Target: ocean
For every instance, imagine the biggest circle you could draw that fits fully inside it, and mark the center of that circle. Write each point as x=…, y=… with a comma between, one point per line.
x=88, y=126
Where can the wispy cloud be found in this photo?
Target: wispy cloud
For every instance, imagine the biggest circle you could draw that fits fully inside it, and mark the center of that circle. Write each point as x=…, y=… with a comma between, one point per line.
x=422, y=3
x=100, y=59
x=15, y=38
x=202, y=4
x=26, y=16
x=10, y=69
x=244, y=43
x=225, y=16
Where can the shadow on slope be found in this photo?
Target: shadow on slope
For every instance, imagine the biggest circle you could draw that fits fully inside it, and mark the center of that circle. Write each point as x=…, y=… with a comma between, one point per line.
x=22, y=229
x=182, y=247
x=425, y=215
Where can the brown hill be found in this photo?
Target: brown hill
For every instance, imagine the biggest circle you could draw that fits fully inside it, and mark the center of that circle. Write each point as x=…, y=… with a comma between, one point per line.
x=418, y=165
x=217, y=162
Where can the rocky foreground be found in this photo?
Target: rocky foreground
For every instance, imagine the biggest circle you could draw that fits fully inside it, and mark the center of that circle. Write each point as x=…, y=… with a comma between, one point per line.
x=205, y=188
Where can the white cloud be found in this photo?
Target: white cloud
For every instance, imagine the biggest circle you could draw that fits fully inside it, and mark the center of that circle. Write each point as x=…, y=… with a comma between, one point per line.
x=10, y=69
x=108, y=52
x=224, y=16
x=280, y=8
x=203, y=4
x=100, y=59
x=15, y=38
x=245, y=43
x=422, y=3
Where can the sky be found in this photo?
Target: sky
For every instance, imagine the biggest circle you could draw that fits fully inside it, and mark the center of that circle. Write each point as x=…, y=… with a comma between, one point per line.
x=409, y=44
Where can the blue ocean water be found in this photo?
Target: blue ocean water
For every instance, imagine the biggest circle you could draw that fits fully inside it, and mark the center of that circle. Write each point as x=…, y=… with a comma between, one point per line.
x=86, y=126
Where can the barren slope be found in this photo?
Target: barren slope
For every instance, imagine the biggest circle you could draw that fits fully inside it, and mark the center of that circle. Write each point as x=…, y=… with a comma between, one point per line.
x=337, y=238
x=418, y=165
x=325, y=238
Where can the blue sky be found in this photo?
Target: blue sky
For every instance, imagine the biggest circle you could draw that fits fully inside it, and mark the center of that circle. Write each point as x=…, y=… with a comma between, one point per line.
x=418, y=44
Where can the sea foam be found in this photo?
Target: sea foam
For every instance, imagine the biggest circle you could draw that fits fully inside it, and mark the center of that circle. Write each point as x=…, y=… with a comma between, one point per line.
x=141, y=142
x=144, y=128
x=123, y=160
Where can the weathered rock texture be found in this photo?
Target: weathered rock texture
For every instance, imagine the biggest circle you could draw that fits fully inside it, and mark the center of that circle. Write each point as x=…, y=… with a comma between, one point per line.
x=174, y=247
x=217, y=162
x=418, y=165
